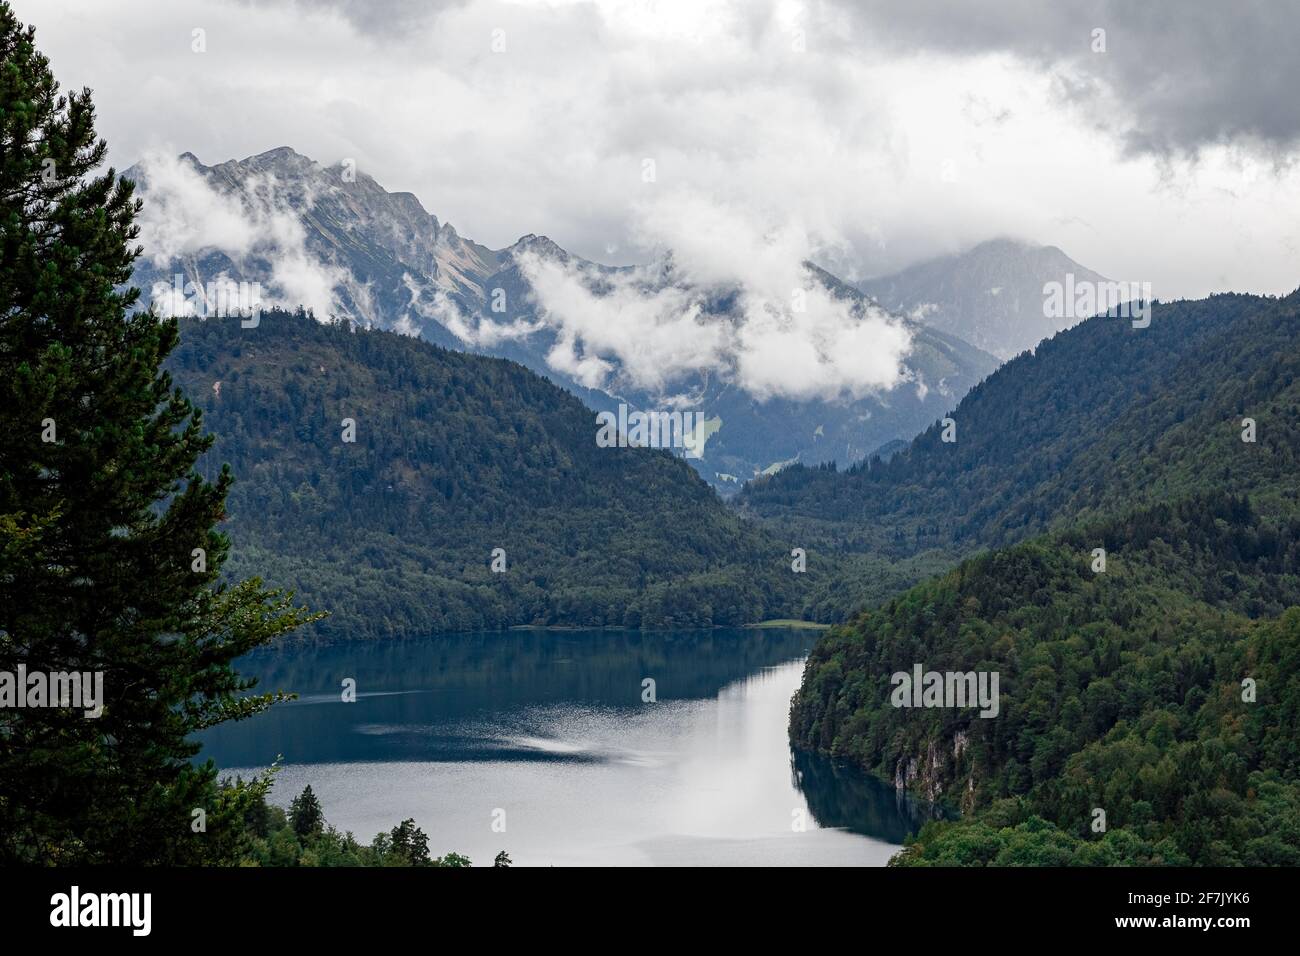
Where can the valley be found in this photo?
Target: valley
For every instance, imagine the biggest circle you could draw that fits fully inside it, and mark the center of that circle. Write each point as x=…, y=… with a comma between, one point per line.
x=976, y=556
x=856, y=435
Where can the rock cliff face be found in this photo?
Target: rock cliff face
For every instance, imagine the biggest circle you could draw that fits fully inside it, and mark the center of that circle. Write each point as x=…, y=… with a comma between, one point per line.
x=941, y=772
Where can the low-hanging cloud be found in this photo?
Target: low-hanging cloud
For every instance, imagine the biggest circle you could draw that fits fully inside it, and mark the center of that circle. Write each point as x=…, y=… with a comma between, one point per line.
x=184, y=216
x=729, y=296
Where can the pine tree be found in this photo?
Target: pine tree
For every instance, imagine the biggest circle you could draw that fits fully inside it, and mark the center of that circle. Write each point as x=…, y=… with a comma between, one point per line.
x=305, y=814
x=110, y=557
x=411, y=843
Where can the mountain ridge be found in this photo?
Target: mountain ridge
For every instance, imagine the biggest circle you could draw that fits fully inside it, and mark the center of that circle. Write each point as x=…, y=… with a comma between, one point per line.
x=1131, y=577
x=388, y=262
x=377, y=475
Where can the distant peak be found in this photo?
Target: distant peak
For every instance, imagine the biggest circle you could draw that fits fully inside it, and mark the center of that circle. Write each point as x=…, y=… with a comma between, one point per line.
x=538, y=245
x=279, y=153
x=1005, y=242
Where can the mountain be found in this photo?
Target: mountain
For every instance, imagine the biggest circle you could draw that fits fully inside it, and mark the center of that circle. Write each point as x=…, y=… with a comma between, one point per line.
x=373, y=256
x=333, y=240
x=991, y=296
x=1147, y=704
x=1099, y=416
x=454, y=456
x=1158, y=699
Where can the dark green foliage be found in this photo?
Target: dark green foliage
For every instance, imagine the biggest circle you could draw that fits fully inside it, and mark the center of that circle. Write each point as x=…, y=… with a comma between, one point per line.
x=272, y=838
x=1120, y=690
x=1263, y=829
x=1101, y=417
x=305, y=814
x=456, y=455
x=409, y=842
x=101, y=511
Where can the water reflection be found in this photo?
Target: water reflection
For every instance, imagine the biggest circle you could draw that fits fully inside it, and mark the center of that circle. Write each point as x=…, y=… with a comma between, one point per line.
x=552, y=728
x=840, y=796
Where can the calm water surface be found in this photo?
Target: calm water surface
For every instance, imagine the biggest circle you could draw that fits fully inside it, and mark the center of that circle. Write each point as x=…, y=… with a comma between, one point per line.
x=551, y=728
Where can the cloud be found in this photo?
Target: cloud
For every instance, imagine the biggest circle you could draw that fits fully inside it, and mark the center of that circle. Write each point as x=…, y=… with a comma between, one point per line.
x=1166, y=76
x=184, y=216
x=779, y=334
x=884, y=132
x=824, y=351
x=472, y=328
x=656, y=331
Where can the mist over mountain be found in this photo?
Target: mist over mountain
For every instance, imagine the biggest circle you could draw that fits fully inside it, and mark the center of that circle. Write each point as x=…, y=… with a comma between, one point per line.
x=991, y=295
x=782, y=361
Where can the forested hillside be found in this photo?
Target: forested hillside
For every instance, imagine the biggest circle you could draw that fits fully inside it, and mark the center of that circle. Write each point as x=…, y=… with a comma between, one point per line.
x=1120, y=690
x=1102, y=417
x=1121, y=685
x=455, y=455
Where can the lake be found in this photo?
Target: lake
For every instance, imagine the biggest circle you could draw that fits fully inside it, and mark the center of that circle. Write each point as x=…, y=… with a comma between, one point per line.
x=548, y=734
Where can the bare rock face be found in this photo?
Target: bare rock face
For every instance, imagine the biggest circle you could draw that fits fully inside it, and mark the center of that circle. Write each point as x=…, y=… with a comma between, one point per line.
x=931, y=773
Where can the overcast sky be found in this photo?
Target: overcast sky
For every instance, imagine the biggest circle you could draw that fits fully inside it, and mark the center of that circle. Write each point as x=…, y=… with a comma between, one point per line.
x=876, y=133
